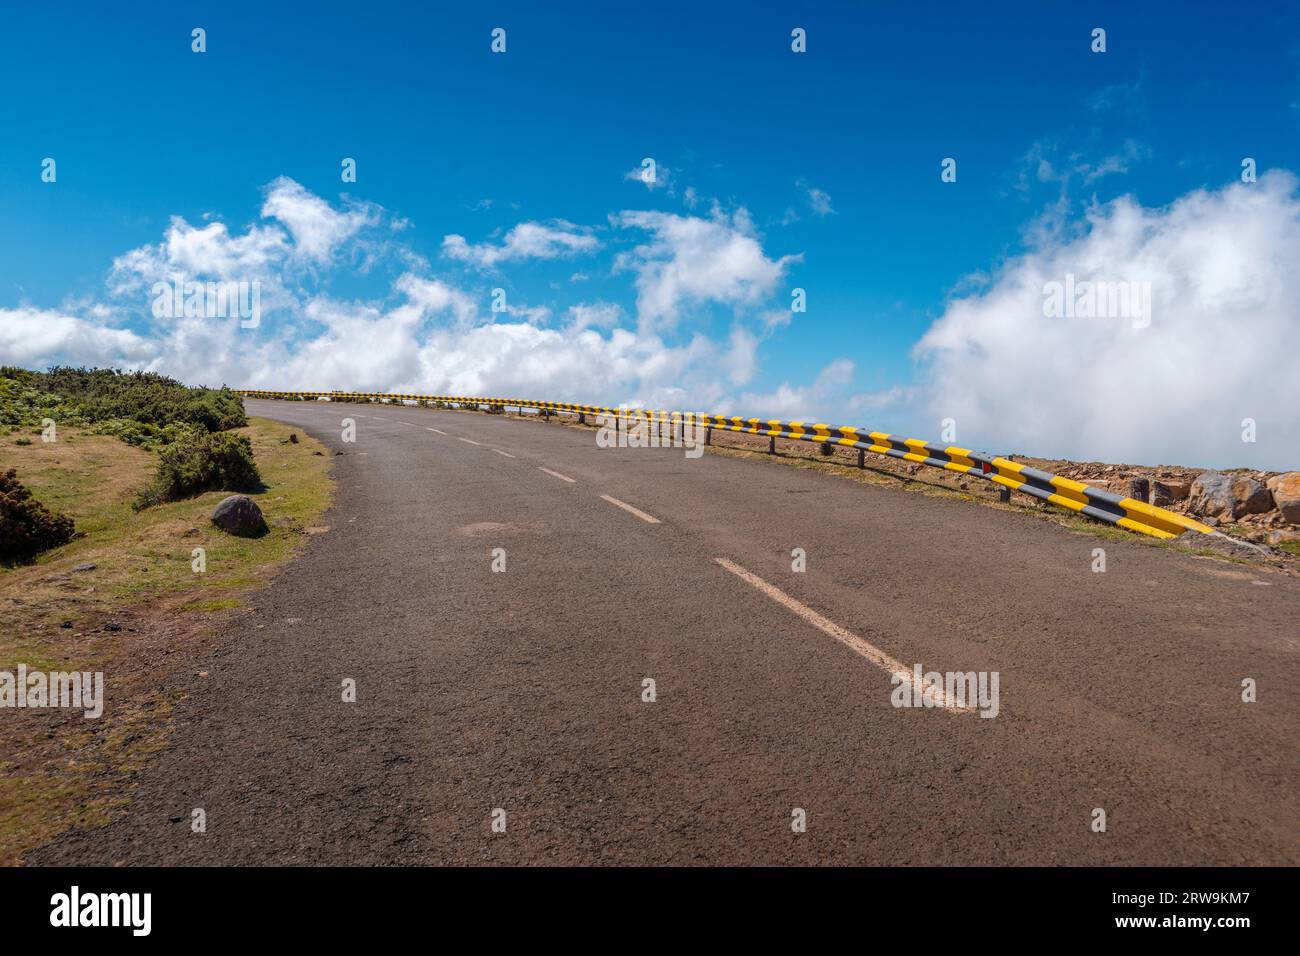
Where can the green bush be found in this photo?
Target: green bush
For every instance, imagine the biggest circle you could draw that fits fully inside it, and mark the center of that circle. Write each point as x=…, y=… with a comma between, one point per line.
x=27, y=527
x=199, y=462
x=93, y=396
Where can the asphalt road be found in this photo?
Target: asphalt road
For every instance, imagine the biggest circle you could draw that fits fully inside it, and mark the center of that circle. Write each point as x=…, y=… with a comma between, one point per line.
x=522, y=690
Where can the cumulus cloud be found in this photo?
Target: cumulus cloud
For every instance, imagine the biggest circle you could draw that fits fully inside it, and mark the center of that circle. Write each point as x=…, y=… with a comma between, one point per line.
x=689, y=260
x=597, y=314
x=1220, y=346
x=419, y=332
x=528, y=240
x=818, y=400
x=317, y=228
x=40, y=337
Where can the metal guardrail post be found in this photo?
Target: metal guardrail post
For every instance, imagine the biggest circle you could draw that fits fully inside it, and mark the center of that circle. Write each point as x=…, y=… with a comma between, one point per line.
x=862, y=458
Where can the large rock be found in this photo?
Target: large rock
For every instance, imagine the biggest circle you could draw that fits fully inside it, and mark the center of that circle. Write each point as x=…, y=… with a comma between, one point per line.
x=1228, y=496
x=1286, y=495
x=239, y=515
x=1169, y=491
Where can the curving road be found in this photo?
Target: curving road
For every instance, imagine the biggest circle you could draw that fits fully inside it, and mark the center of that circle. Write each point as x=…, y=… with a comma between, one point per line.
x=523, y=690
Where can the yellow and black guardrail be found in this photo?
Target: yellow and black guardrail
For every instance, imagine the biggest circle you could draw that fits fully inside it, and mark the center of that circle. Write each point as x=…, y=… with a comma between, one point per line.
x=1129, y=513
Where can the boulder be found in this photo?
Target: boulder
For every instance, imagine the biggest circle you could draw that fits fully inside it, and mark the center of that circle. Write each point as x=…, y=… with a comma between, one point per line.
x=239, y=515
x=1217, y=495
x=1169, y=491
x=1286, y=495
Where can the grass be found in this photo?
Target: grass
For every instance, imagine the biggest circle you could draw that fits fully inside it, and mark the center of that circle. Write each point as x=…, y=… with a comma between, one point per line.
x=59, y=769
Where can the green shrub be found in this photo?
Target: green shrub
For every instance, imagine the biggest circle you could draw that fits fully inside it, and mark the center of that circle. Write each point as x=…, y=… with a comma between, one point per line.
x=92, y=396
x=27, y=527
x=199, y=462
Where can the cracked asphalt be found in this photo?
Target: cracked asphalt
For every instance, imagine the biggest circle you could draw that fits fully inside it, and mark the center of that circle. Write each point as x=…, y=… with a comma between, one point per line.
x=522, y=690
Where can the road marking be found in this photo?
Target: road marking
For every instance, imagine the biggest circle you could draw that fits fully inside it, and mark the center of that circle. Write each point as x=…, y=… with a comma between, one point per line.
x=400, y=422
x=468, y=441
x=636, y=511
x=850, y=640
x=500, y=452
x=556, y=474
x=439, y=431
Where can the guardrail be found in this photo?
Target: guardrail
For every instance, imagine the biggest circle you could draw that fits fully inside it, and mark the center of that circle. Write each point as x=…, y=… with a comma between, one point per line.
x=1106, y=506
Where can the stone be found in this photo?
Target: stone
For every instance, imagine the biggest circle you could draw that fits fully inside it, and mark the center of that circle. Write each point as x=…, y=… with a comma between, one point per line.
x=1285, y=489
x=1217, y=495
x=1283, y=536
x=1139, y=488
x=84, y=567
x=1169, y=491
x=239, y=515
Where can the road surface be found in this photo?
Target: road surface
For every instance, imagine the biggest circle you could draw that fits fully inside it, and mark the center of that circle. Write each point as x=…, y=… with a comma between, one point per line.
x=522, y=691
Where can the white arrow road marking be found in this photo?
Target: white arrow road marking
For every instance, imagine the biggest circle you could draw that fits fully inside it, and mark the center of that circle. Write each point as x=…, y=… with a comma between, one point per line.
x=850, y=640
x=636, y=511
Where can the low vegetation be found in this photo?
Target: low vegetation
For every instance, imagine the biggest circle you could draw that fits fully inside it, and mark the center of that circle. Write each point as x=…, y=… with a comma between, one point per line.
x=27, y=527
x=200, y=462
x=140, y=408
x=135, y=463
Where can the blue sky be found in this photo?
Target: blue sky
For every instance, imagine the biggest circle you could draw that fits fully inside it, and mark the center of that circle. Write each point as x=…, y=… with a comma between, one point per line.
x=818, y=170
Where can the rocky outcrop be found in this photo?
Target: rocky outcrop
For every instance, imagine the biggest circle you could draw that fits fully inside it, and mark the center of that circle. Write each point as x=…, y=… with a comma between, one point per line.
x=1218, y=495
x=1285, y=489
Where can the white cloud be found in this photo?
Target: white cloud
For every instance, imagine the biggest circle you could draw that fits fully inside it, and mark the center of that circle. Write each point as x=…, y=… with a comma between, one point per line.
x=1221, y=345
x=317, y=228
x=690, y=260
x=528, y=240
x=597, y=315
x=819, y=201
x=662, y=178
x=422, y=332
x=37, y=338
x=818, y=401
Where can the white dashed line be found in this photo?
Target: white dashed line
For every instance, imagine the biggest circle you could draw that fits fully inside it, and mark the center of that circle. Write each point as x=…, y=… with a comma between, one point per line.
x=500, y=452
x=636, y=511
x=468, y=441
x=439, y=431
x=850, y=640
x=556, y=474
